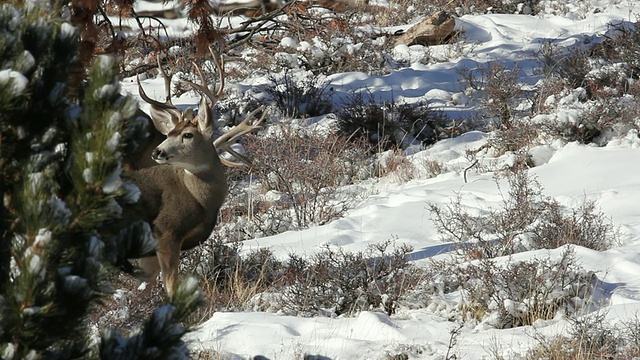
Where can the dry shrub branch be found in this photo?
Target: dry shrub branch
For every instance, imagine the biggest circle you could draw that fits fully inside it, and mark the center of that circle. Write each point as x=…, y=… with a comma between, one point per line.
x=525, y=220
x=590, y=336
x=335, y=282
x=303, y=171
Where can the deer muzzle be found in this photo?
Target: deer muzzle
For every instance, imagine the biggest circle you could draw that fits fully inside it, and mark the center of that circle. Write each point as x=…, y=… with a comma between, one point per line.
x=159, y=155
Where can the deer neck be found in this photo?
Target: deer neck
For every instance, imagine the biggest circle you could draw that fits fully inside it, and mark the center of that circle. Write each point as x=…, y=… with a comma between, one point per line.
x=206, y=182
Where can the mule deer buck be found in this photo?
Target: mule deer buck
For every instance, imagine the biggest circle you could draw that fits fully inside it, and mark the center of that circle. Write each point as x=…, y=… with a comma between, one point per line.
x=181, y=197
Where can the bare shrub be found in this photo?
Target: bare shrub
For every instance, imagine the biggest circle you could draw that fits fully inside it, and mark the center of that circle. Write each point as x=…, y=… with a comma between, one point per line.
x=549, y=87
x=233, y=110
x=404, y=11
x=304, y=171
x=630, y=329
x=589, y=337
x=502, y=99
x=394, y=163
x=584, y=226
x=320, y=42
x=251, y=217
x=525, y=220
x=390, y=125
x=607, y=116
x=338, y=52
x=397, y=12
x=439, y=277
x=505, y=293
x=604, y=72
x=124, y=310
x=492, y=232
x=527, y=7
x=306, y=96
x=520, y=292
x=434, y=167
x=570, y=65
x=206, y=354
x=330, y=45
x=594, y=335
x=335, y=282
x=610, y=89
x=521, y=135
x=401, y=11
x=502, y=93
x=298, y=178
x=621, y=45
x=504, y=104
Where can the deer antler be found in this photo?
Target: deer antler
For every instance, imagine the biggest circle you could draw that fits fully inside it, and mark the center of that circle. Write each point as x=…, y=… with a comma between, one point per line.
x=204, y=89
x=226, y=140
x=160, y=110
x=250, y=124
x=166, y=115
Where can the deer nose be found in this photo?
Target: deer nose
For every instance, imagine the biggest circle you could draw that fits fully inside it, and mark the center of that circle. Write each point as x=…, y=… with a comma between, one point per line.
x=157, y=154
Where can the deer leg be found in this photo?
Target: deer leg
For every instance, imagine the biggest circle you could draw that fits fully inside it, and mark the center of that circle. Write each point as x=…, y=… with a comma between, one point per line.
x=169, y=265
x=150, y=269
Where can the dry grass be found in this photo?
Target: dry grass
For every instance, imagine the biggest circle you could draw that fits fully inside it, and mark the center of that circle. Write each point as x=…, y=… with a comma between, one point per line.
x=394, y=164
x=234, y=294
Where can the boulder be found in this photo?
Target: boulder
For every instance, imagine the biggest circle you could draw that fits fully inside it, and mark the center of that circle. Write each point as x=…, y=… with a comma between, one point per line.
x=434, y=30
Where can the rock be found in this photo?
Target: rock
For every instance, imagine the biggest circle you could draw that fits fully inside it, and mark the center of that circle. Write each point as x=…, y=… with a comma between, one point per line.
x=433, y=30
x=168, y=13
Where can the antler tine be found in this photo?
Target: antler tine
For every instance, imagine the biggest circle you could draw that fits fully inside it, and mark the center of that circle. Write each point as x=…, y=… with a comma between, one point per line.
x=244, y=161
x=167, y=82
x=219, y=61
x=157, y=106
x=225, y=141
x=245, y=127
x=203, y=88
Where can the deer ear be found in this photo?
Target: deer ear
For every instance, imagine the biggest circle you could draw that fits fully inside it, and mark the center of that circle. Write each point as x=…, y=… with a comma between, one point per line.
x=204, y=118
x=164, y=119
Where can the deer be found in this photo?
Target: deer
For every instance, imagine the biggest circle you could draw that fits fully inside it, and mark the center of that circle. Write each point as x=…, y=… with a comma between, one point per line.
x=181, y=196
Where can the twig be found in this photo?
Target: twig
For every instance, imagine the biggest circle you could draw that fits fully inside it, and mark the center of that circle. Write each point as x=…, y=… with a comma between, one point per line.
x=475, y=161
x=453, y=340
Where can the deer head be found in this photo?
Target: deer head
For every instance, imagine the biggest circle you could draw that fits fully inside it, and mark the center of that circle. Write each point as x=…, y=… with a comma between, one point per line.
x=181, y=197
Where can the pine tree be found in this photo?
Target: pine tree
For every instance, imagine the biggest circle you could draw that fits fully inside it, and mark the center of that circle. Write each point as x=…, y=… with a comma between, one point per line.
x=61, y=150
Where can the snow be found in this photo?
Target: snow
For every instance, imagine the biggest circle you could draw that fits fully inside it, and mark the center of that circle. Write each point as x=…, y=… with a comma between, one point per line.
x=113, y=182
x=569, y=173
x=43, y=238
x=67, y=31
x=16, y=80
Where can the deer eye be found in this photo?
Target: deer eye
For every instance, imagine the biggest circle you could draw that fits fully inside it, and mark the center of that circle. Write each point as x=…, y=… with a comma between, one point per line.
x=187, y=136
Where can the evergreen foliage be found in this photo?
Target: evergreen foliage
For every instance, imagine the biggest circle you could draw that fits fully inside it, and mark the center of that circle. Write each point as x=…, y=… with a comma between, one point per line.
x=60, y=166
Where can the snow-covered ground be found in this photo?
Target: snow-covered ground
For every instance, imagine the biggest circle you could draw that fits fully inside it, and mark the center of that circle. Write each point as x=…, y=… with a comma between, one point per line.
x=569, y=173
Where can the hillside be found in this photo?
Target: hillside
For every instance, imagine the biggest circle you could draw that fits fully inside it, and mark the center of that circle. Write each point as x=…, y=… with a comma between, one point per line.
x=518, y=206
